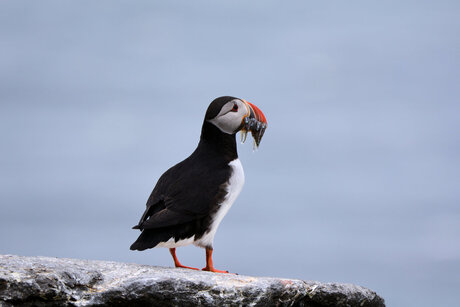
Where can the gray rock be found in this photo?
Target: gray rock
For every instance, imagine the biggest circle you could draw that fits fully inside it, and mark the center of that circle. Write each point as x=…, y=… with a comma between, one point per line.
x=44, y=281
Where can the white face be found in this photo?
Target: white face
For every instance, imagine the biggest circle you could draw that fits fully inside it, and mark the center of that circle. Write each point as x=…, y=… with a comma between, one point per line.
x=231, y=116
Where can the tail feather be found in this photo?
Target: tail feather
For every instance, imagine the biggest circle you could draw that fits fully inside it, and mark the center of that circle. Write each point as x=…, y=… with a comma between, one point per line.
x=150, y=238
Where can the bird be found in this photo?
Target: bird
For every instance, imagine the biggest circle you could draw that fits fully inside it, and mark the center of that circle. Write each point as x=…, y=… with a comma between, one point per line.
x=191, y=198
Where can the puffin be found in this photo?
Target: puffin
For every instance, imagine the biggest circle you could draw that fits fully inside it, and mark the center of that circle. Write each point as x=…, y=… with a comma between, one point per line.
x=191, y=198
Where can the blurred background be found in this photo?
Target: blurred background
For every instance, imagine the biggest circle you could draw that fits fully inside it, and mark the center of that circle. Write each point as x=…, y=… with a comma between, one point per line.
x=357, y=177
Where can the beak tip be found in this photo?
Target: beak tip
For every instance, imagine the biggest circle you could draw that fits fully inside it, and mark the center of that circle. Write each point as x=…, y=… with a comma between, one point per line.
x=255, y=122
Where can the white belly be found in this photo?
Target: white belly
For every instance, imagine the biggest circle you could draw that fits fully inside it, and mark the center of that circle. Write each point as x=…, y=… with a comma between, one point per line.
x=171, y=243
x=234, y=186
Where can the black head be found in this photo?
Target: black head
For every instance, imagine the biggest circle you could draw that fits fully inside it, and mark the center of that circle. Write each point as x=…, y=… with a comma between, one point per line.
x=230, y=115
x=216, y=105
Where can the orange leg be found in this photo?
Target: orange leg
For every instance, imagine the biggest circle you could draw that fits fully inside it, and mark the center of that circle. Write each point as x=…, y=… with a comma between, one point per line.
x=209, y=266
x=176, y=261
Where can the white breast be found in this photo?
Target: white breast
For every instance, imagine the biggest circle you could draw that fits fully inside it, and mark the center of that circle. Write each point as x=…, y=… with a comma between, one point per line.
x=234, y=186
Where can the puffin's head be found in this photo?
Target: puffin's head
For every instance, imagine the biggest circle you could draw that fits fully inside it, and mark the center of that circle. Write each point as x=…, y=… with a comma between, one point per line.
x=231, y=115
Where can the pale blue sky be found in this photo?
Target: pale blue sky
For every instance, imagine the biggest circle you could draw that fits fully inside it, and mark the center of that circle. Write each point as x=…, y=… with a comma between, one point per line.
x=357, y=176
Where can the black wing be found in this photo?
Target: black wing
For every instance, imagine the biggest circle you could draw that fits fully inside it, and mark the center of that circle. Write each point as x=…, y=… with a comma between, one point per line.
x=188, y=191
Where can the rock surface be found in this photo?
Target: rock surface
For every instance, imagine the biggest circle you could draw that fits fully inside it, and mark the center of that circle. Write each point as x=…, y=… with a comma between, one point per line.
x=44, y=281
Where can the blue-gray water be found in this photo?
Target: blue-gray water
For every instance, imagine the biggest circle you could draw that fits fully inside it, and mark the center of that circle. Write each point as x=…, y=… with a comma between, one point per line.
x=357, y=177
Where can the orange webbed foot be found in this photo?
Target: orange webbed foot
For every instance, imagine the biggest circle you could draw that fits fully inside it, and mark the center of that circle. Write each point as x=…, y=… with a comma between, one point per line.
x=186, y=267
x=176, y=261
x=212, y=269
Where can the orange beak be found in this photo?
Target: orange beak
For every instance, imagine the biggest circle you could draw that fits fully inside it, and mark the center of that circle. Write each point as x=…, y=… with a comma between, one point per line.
x=254, y=122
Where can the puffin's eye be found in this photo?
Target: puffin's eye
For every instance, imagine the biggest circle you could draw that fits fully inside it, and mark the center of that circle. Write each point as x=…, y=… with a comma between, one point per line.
x=235, y=108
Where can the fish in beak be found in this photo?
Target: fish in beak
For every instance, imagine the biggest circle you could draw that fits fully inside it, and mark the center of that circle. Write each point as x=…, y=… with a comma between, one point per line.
x=254, y=122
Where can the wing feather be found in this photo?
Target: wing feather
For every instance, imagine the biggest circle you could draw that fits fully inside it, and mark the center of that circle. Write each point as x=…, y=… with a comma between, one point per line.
x=188, y=191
